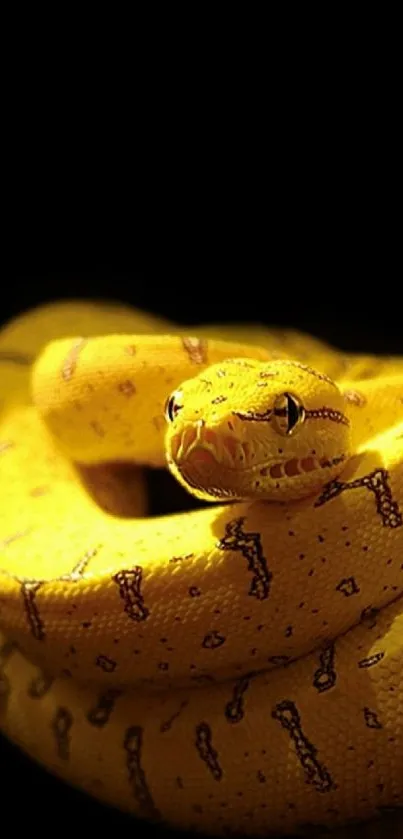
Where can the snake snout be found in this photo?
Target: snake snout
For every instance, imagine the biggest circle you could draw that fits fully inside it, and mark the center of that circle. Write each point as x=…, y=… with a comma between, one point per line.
x=204, y=446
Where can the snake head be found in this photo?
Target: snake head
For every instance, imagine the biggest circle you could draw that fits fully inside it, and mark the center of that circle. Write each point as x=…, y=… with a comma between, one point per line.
x=249, y=429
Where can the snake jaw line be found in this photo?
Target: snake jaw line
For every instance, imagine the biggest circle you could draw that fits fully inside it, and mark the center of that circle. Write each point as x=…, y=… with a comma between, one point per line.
x=248, y=482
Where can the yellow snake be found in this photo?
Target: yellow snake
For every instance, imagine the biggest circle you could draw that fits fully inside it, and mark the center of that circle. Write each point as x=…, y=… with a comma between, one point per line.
x=236, y=668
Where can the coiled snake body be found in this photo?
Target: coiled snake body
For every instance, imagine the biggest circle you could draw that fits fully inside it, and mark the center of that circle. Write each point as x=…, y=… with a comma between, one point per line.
x=234, y=668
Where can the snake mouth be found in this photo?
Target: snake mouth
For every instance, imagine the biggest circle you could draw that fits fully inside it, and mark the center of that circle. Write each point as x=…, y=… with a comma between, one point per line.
x=206, y=481
x=201, y=467
x=207, y=462
x=217, y=483
x=200, y=447
x=199, y=456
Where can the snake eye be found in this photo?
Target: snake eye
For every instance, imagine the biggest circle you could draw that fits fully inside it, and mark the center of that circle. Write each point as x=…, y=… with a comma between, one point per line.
x=172, y=406
x=288, y=414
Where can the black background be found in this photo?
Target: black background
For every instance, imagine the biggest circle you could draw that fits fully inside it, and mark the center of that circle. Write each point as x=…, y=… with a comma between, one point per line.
x=336, y=294
x=354, y=303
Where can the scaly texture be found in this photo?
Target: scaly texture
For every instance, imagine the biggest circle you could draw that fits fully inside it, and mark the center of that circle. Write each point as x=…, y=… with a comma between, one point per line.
x=236, y=668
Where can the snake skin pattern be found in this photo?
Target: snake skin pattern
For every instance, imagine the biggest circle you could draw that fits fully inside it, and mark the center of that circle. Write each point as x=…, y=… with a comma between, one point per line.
x=236, y=669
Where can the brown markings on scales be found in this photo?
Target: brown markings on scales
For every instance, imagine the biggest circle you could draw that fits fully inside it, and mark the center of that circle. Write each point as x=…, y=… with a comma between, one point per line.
x=314, y=413
x=100, y=713
x=70, y=362
x=196, y=349
x=316, y=773
x=325, y=676
x=61, y=725
x=167, y=725
x=378, y=483
x=5, y=445
x=371, y=660
x=129, y=584
x=234, y=709
x=40, y=685
x=206, y=750
x=133, y=747
x=30, y=588
x=250, y=546
x=321, y=376
x=13, y=538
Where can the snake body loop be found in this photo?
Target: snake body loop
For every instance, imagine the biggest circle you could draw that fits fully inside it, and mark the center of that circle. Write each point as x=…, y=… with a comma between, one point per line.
x=234, y=668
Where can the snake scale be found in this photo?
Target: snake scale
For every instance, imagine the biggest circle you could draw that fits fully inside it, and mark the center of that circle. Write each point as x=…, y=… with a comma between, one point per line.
x=235, y=668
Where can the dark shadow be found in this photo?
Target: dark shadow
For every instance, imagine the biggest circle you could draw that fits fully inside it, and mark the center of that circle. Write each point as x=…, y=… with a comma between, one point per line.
x=126, y=491
x=167, y=496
